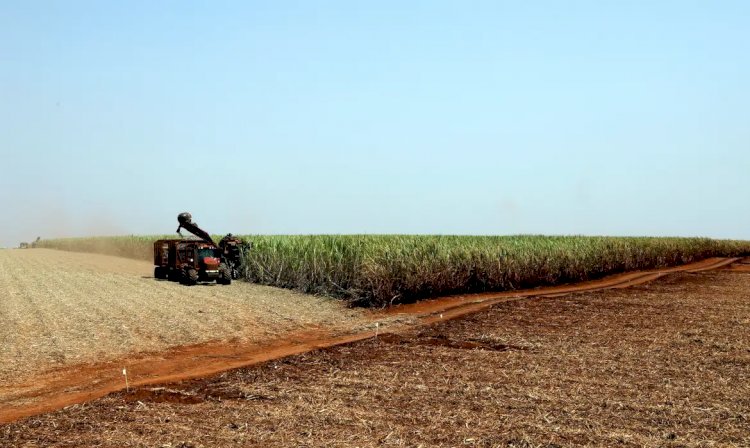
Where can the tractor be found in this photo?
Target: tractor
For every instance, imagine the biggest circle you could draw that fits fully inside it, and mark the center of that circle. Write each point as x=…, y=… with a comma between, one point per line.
x=190, y=261
x=33, y=244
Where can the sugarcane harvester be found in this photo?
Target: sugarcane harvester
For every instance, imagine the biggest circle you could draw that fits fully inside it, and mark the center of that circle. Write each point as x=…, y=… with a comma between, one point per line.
x=233, y=249
x=191, y=261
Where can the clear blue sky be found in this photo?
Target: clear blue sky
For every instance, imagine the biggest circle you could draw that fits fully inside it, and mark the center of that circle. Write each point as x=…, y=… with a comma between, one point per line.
x=480, y=117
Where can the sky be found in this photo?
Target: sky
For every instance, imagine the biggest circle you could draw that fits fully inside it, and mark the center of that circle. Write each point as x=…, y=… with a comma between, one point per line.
x=428, y=117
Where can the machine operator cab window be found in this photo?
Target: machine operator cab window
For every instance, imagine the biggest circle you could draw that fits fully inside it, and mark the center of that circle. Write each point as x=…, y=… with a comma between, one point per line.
x=203, y=253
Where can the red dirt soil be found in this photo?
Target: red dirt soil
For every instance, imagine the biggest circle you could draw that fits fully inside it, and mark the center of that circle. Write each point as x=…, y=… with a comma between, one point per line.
x=58, y=388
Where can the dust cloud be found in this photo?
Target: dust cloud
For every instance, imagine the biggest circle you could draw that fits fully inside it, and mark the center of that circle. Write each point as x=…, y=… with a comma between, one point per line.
x=27, y=223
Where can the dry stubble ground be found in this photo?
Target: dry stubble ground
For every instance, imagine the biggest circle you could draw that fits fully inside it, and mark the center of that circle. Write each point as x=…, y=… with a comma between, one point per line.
x=60, y=309
x=664, y=364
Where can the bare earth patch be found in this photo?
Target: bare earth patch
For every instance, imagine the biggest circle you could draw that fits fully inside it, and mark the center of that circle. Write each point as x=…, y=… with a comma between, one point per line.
x=663, y=364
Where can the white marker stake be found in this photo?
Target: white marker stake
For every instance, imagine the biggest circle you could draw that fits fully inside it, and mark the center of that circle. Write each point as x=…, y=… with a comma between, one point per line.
x=125, y=373
x=377, y=327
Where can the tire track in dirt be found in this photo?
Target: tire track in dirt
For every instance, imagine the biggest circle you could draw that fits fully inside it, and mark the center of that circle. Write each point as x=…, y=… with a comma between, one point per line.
x=58, y=388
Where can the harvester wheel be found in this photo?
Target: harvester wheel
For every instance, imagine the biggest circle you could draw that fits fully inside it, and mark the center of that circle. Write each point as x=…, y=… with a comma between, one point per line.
x=160, y=273
x=225, y=275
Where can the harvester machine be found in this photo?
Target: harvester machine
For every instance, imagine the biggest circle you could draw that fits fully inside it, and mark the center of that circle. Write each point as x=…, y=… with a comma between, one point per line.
x=190, y=261
x=33, y=244
x=234, y=250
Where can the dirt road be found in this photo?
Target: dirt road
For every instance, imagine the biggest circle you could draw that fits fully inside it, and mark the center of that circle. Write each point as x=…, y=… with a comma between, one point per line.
x=659, y=364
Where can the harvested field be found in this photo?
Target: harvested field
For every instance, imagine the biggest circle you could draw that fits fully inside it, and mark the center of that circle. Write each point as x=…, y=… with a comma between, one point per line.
x=61, y=309
x=661, y=364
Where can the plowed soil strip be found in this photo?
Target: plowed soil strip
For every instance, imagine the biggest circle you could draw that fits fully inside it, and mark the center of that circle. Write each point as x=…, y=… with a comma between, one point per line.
x=62, y=387
x=615, y=281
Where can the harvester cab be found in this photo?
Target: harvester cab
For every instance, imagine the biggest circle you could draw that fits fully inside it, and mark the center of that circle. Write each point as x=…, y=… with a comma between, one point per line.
x=234, y=250
x=190, y=261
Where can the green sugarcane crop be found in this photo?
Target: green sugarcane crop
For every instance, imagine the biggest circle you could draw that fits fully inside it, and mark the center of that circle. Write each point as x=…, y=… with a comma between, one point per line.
x=379, y=270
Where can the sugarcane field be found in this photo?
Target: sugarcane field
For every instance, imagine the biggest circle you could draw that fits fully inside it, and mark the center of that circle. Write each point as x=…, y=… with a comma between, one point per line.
x=374, y=224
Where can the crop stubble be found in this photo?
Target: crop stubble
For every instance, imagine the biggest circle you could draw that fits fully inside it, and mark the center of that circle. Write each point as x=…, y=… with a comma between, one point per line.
x=664, y=364
x=59, y=309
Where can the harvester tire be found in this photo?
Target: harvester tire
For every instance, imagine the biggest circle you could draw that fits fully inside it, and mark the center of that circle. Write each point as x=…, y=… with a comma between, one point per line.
x=160, y=273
